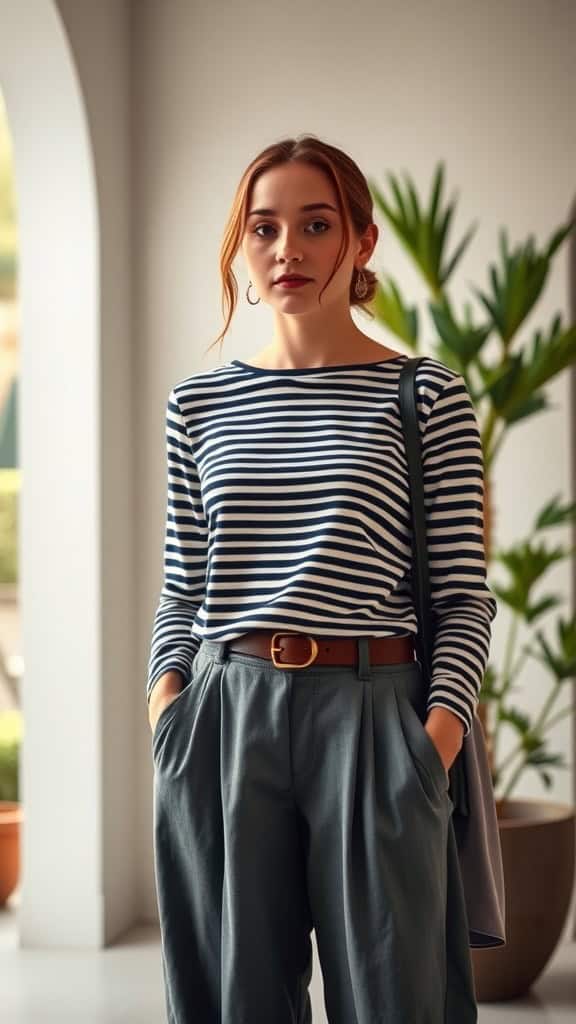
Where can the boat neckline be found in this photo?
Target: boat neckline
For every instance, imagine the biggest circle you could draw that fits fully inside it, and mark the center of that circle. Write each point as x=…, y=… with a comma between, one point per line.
x=315, y=369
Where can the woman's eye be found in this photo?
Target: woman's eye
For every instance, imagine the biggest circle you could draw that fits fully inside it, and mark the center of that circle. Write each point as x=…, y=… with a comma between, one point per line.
x=322, y=222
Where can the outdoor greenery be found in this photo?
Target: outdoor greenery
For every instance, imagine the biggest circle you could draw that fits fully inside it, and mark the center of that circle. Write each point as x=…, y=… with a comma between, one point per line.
x=9, y=491
x=8, y=223
x=10, y=740
x=9, y=478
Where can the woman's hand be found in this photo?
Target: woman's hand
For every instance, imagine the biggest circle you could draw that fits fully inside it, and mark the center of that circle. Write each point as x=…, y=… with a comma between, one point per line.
x=158, y=707
x=446, y=731
x=165, y=690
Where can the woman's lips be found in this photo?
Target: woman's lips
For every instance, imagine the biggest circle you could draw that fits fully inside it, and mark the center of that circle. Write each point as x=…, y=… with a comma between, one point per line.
x=297, y=282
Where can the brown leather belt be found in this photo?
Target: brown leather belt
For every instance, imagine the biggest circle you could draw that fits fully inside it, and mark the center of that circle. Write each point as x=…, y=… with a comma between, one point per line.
x=299, y=650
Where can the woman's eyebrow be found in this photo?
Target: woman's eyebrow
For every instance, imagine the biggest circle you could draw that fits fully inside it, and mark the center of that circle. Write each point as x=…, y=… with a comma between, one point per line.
x=309, y=206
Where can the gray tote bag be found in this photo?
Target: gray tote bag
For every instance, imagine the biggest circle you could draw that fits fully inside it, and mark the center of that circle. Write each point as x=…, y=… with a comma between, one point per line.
x=471, y=790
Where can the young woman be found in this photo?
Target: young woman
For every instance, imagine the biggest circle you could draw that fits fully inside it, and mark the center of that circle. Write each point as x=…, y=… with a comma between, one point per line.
x=300, y=768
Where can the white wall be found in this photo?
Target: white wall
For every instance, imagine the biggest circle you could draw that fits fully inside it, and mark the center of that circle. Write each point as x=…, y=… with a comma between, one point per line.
x=100, y=39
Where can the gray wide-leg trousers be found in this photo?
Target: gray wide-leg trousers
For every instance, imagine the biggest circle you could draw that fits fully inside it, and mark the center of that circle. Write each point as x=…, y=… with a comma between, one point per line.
x=286, y=800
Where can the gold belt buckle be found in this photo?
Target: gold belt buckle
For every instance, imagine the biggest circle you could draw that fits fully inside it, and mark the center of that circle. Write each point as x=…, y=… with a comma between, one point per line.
x=289, y=664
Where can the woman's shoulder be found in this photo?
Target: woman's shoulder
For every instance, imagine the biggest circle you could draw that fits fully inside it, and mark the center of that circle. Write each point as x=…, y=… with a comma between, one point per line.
x=201, y=381
x=433, y=372
x=433, y=377
x=439, y=388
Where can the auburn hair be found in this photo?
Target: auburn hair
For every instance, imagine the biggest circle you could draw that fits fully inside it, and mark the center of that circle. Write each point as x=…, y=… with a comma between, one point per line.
x=353, y=198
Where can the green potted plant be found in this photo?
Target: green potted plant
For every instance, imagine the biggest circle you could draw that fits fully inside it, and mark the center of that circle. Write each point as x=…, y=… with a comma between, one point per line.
x=10, y=720
x=10, y=808
x=507, y=377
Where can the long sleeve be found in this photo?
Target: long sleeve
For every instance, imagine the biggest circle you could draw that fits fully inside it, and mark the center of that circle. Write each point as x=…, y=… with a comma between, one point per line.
x=173, y=645
x=462, y=603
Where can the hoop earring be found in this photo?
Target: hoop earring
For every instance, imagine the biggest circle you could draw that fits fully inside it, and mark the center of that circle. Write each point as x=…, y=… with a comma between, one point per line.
x=248, y=297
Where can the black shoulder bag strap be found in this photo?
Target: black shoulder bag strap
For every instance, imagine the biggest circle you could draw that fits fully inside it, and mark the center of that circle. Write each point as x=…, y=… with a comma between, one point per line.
x=420, y=571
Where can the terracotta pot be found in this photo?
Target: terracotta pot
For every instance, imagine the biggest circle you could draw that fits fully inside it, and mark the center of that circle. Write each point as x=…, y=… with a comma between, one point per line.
x=538, y=844
x=11, y=816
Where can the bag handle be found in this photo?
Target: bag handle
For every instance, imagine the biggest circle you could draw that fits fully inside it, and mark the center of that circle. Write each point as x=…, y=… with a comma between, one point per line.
x=420, y=575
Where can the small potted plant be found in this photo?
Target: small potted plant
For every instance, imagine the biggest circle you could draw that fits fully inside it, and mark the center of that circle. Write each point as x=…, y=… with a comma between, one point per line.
x=507, y=379
x=10, y=808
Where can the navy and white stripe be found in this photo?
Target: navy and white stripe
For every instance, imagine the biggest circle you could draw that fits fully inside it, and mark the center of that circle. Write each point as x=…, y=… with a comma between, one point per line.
x=288, y=508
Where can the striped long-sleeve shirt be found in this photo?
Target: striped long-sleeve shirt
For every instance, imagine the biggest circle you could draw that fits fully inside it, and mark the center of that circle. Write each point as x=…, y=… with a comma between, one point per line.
x=288, y=509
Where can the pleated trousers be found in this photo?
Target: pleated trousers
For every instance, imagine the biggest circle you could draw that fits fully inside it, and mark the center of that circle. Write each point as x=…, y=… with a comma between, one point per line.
x=300, y=799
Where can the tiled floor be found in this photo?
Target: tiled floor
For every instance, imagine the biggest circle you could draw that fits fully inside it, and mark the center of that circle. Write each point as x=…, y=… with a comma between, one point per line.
x=123, y=985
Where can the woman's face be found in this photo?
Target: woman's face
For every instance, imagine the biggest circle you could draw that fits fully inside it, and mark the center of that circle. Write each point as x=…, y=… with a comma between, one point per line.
x=295, y=240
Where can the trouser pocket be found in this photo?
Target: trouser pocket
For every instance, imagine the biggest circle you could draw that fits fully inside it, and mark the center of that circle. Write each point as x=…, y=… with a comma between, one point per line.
x=421, y=747
x=180, y=714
